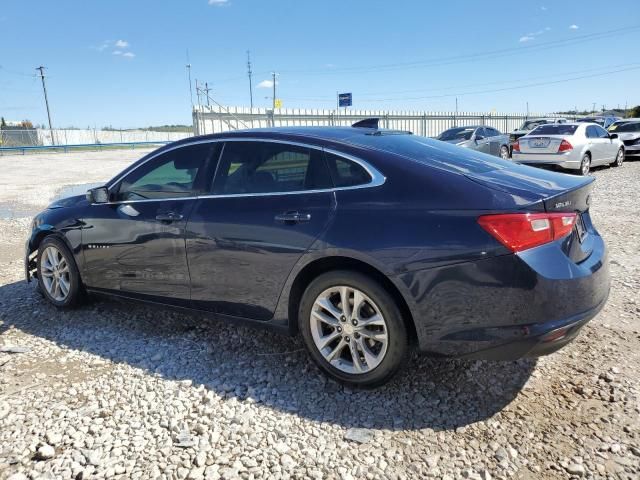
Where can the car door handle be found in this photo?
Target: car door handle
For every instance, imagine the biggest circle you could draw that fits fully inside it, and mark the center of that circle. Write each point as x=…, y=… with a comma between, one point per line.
x=168, y=217
x=293, y=217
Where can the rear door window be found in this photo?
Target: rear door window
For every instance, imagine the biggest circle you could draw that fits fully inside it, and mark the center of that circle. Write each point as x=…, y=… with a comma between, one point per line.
x=592, y=132
x=266, y=167
x=601, y=132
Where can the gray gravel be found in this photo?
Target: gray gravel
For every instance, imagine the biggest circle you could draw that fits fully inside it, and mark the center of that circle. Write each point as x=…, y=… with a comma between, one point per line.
x=115, y=390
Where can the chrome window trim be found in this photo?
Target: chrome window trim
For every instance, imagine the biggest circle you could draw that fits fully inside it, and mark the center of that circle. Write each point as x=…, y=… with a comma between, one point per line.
x=377, y=178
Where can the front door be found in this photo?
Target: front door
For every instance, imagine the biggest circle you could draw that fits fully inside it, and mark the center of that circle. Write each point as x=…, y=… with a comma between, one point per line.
x=135, y=244
x=268, y=204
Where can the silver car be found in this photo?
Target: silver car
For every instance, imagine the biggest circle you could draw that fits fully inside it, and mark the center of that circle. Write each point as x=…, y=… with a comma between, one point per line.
x=574, y=146
x=478, y=137
x=628, y=132
x=530, y=124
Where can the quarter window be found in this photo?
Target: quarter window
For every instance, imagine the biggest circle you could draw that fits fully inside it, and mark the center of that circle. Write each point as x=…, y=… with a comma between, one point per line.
x=170, y=175
x=346, y=173
x=266, y=167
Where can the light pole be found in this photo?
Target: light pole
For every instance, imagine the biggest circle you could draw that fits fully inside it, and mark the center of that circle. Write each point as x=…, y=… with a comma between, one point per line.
x=46, y=101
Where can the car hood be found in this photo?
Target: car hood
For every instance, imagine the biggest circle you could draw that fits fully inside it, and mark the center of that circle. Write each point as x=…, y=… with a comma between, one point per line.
x=628, y=135
x=76, y=200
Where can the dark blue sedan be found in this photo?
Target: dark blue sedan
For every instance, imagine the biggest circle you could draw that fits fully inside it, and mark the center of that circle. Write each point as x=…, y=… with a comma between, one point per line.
x=367, y=242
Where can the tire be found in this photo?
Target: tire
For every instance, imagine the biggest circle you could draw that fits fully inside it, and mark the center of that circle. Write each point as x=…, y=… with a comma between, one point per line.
x=504, y=152
x=619, y=158
x=585, y=165
x=379, y=358
x=65, y=272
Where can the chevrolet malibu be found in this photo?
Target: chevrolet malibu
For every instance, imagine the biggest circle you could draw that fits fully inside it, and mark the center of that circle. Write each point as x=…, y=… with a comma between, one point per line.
x=365, y=242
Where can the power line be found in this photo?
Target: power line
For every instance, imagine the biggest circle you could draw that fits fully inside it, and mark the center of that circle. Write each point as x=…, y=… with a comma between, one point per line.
x=249, y=73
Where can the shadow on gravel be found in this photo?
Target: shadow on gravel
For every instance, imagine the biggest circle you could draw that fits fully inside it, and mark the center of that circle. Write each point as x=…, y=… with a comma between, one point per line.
x=272, y=369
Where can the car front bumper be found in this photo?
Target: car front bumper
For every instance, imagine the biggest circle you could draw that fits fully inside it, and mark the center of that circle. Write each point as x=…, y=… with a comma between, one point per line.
x=632, y=149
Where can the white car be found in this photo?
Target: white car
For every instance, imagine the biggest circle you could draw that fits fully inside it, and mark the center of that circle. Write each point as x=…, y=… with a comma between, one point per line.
x=573, y=146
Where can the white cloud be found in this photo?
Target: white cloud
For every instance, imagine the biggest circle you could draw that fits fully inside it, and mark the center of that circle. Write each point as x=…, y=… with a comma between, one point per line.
x=218, y=3
x=266, y=84
x=526, y=38
x=121, y=44
x=573, y=27
x=129, y=54
x=117, y=52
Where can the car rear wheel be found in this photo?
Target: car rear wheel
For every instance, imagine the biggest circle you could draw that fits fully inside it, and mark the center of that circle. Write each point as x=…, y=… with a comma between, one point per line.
x=585, y=164
x=619, y=158
x=353, y=328
x=504, y=152
x=58, y=276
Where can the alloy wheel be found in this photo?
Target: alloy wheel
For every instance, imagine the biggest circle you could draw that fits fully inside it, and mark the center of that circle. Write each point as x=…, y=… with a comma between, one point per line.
x=620, y=157
x=504, y=152
x=585, y=165
x=349, y=330
x=55, y=274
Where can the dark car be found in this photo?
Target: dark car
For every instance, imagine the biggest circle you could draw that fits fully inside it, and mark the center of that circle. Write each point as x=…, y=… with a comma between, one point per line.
x=366, y=242
x=605, y=121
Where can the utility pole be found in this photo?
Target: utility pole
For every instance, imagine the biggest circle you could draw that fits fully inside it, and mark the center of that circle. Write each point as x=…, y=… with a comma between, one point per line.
x=190, y=87
x=273, y=76
x=249, y=72
x=46, y=101
x=593, y=110
x=206, y=92
x=197, y=92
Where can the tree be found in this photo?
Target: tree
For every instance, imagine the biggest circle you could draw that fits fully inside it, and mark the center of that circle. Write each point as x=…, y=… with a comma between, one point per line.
x=634, y=112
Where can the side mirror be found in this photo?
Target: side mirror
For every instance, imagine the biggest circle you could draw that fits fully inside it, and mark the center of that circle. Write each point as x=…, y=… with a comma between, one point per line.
x=479, y=137
x=98, y=195
x=613, y=135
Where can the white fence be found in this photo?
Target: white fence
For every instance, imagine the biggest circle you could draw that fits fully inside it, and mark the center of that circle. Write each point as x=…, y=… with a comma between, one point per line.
x=216, y=119
x=75, y=137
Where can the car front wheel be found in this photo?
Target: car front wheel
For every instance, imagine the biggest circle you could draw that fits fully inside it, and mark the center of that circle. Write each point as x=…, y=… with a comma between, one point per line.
x=619, y=158
x=353, y=328
x=504, y=152
x=58, y=277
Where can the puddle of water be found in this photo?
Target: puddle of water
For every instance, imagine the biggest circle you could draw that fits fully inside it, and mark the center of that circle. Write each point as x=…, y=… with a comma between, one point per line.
x=73, y=190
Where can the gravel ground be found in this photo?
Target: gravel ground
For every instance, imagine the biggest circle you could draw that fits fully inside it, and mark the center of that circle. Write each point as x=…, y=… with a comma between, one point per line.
x=116, y=390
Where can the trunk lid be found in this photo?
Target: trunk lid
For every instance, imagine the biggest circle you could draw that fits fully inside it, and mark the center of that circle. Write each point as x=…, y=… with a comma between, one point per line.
x=540, y=190
x=541, y=143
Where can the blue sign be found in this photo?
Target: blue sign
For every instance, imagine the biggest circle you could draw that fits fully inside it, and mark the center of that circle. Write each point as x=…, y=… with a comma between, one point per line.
x=344, y=99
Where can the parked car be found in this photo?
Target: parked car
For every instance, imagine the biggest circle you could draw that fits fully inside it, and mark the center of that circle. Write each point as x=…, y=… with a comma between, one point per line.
x=478, y=137
x=612, y=128
x=529, y=125
x=603, y=120
x=629, y=132
x=573, y=146
x=366, y=242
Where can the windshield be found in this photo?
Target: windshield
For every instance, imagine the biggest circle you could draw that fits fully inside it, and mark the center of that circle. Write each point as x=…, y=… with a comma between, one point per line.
x=626, y=127
x=456, y=134
x=531, y=124
x=433, y=153
x=555, y=129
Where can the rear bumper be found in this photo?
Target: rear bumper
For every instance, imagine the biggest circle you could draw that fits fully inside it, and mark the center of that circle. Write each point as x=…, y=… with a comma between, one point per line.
x=509, y=306
x=562, y=160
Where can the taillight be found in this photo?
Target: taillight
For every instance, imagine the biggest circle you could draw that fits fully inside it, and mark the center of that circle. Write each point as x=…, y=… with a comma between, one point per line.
x=565, y=146
x=516, y=146
x=520, y=231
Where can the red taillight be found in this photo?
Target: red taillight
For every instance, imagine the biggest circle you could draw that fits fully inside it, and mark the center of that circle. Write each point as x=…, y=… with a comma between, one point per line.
x=520, y=231
x=565, y=146
x=516, y=146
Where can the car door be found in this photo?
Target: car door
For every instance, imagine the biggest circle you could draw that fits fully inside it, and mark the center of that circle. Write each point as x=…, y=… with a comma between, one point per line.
x=135, y=244
x=268, y=203
x=609, y=147
x=596, y=146
x=483, y=142
x=494, y=141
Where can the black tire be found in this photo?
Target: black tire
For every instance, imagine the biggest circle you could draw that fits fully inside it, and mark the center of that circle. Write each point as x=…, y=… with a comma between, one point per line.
x=619, y=158
x=585, y=165
x=397, y=345
x=75, y=292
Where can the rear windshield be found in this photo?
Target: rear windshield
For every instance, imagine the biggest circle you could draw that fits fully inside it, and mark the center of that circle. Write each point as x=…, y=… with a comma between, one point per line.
x=432, y=152
x=456, y=134
x=555, y=129
x=626, y=127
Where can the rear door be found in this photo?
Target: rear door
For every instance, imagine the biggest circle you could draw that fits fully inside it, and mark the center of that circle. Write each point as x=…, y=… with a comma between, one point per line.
x=609, y=147
x=268, y=203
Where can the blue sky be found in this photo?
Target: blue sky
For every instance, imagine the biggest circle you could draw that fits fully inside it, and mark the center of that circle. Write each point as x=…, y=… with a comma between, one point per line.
x=122, y=63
